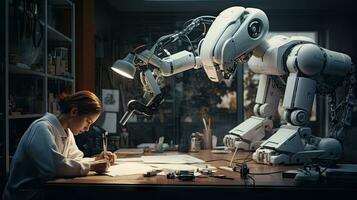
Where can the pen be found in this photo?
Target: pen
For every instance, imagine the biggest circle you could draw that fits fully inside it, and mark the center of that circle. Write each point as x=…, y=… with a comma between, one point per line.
x=105, y=140
x=209, y=123
x=204, y=123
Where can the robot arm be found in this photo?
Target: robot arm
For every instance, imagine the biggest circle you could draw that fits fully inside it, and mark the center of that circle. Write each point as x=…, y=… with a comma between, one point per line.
x=172, y=64
x=139, y=108
x=167, y=66
x=232, y=37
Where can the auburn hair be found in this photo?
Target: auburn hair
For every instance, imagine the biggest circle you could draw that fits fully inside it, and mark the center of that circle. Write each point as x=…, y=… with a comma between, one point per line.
x=85, y=101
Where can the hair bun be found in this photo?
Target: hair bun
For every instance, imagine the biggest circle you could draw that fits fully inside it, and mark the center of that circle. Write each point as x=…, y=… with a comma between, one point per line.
x=63, y=102
x=85, y=101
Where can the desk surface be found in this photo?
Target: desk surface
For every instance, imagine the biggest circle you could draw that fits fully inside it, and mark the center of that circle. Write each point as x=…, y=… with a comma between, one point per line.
x=137, y=186
x=216, y=160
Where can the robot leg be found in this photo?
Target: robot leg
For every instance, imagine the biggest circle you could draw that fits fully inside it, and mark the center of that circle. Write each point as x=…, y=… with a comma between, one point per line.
x=249, y=134
x=287, y=145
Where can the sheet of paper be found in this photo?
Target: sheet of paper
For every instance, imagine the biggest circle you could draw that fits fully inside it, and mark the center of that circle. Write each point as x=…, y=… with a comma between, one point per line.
x=148, y=145
x=129, y=151
x=172, y=159
x=201, y=166
x=175, y=167
x=136, y=159
x=189, y=167
x=129, y=168
x=110, y=122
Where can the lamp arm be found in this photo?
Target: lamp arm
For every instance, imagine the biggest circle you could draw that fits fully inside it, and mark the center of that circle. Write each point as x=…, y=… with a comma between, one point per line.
x=173, y=64
x=138, y=108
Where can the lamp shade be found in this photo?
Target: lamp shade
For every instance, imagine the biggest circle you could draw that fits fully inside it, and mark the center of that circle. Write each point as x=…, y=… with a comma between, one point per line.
x=125, y=67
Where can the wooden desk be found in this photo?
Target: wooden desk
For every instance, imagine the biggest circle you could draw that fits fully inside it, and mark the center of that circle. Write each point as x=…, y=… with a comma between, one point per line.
x=269, y=186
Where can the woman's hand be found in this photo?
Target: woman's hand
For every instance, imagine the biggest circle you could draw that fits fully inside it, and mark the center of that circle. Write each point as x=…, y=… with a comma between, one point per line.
x=109, y=156
x=99, y=166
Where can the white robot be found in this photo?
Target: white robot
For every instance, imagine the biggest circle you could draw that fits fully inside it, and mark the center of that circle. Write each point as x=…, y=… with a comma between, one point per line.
x=239, y=35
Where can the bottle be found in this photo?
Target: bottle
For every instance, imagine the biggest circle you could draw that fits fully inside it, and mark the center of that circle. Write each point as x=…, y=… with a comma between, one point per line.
x=172, y=146
x=124, y=138
x=195, y=142
x=184, y=144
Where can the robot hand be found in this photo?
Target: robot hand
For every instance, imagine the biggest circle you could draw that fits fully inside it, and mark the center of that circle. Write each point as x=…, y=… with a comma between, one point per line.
x=138, y=108
x=230, y=141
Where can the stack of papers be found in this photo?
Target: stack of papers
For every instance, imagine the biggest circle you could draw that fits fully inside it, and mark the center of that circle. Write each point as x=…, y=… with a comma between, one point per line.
x=129, y=168
x=144, y=164
x=130, y=151
x=172, y=159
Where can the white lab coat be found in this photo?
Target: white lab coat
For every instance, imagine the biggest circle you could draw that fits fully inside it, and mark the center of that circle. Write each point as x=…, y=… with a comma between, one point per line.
x=45, y=151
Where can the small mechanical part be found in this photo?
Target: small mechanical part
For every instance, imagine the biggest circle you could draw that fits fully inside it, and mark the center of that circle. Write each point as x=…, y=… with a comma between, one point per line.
x=299, y=117
x=205, y=171
x=254, y=28
x=151, y=173
x=290, y=173
x=170, y=175
x=185, y=175
x=244, y=171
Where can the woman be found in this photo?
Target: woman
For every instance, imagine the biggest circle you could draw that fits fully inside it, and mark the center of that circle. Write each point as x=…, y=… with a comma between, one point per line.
x=48, y=149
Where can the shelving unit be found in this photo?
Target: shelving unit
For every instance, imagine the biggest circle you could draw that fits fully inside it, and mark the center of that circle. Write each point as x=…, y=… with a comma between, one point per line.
x=16, y=70
x=35, y=77
x=55, y=35
x=3, y=23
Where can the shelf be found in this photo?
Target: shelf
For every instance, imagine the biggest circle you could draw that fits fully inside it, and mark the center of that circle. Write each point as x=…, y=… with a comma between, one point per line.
x=25, y=116
x=61, y=78
x=56, y=36
x=41, y=22
x=27, y=88
x=13, y=69
x=60, y=2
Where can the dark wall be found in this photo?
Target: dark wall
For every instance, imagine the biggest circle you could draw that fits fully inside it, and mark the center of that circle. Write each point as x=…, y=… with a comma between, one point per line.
x=106, y=22
x=210, y=6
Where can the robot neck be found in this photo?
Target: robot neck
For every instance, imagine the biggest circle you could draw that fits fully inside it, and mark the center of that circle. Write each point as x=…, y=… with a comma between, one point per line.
x=261, y=49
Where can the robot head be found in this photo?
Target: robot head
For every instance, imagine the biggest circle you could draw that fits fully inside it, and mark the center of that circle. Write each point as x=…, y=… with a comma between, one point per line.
x=235, y=33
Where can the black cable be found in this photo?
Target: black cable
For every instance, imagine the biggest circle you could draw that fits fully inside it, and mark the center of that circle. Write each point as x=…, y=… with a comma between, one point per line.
x=245, y=159
x=193, y=49
x=322, y=171
x=217, y=160
x=138, y=47
x=191, y=24
x=156, y=45
x=247, y=182
x=237, y=164
x=267, y=173
x=250, y=177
